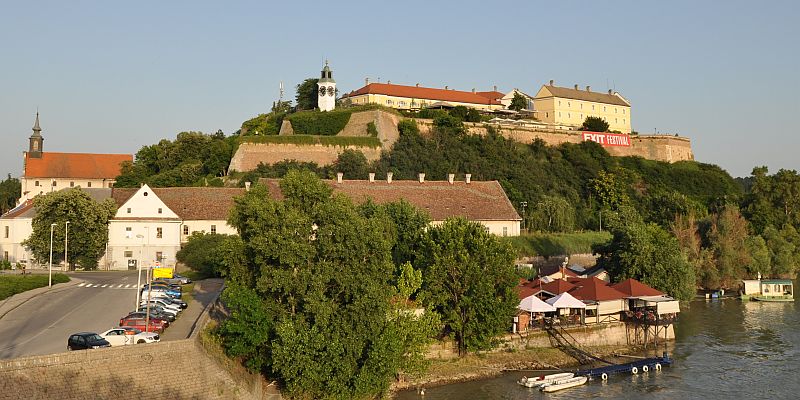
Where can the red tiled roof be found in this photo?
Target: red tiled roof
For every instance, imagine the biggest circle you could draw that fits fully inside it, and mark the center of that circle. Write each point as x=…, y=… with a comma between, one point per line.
x=19, y=210
x=415, y=92
x=524, y=291
x=493, y=95
x=596, y=290
x=74, y=165
x=475, y=201
x=633, y=288
x=190, y=203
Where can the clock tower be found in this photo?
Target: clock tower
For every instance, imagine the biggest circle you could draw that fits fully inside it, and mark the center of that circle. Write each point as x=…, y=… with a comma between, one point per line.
x=326, y=91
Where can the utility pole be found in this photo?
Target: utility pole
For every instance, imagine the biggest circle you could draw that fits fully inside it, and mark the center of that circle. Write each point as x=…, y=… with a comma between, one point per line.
x=66, y=244
x=50, y=268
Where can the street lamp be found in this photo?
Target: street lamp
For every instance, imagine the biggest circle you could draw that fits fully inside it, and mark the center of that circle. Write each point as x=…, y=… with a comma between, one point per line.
x=523, y=204
x=66, y=243
x=139, y=273
x=50, y=280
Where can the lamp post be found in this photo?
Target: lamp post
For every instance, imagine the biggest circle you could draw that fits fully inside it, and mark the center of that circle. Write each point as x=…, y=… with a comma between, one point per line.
x=139, y=274
x=66, y=243
x=50, y=268
x=523, y=204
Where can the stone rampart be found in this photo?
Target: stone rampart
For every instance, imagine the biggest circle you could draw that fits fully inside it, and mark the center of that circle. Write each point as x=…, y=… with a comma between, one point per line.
x=249, y=155
x=169, y=370
x=652, y=147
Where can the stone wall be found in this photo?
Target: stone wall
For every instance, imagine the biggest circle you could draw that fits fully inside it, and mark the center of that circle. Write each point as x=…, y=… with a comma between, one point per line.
x=249, y=155
x=169, y=370
x=652, y=147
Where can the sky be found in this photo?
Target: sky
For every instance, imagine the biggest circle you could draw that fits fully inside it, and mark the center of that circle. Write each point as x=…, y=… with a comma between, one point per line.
x=111, y=77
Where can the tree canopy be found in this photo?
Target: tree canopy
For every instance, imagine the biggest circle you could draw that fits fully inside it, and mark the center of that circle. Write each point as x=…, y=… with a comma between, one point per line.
x=306, y=97
x=10, y=192
x=595, y=124
x=320, y=313
x=518, y=102
x=88, y=227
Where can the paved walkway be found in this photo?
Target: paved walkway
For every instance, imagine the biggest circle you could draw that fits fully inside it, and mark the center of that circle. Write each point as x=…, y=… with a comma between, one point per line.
x=205, y=292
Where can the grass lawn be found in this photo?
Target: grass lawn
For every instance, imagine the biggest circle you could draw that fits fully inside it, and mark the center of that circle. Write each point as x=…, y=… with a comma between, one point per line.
x=13, y=284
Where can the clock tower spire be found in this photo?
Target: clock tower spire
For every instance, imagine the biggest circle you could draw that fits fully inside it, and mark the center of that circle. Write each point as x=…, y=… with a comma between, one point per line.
x=36, y=141
x=326, y=91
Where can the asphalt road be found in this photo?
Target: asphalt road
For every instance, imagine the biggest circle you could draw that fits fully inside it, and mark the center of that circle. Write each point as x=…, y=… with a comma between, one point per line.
x=43, y=324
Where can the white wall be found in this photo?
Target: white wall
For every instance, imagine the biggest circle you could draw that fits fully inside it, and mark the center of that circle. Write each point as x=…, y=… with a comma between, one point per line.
x=142, y=242
x=31, y=190
x=19, y=229
x=221, y=227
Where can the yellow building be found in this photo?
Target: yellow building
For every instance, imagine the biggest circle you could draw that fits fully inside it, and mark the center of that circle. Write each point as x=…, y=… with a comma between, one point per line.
x=565, y=106
x=403, y=97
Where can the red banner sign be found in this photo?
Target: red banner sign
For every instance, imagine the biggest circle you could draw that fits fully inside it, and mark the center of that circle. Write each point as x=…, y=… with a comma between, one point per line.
x=608, y=139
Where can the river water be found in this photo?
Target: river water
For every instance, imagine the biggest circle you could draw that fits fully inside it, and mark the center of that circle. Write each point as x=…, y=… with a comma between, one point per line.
x=724, y=349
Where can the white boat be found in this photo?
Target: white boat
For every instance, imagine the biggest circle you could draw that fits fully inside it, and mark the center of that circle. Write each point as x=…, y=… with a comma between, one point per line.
x=564, y=384
x=544, y=379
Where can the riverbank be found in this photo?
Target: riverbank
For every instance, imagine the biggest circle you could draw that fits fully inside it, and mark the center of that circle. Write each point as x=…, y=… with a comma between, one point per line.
x=486, y=365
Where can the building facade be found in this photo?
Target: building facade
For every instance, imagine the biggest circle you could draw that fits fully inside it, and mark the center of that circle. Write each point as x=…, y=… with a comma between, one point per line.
x=403, y=97
x=45, y=172
x=564, y=106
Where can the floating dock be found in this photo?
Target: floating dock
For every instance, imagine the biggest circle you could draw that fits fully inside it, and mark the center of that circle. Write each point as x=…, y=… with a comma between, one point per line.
x=634, y=367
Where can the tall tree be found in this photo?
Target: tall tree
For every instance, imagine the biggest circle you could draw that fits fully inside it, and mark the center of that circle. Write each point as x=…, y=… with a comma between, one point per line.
x=353, y=164
x=595, y=124
x=306, y=97
x=10, y=192
x=319, y=313
x=88, y=227
x=518, y=102
x=469, y=279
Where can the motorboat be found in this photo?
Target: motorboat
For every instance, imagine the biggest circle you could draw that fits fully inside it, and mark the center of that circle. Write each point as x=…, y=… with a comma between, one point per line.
x=564, y=384
x=544, y=379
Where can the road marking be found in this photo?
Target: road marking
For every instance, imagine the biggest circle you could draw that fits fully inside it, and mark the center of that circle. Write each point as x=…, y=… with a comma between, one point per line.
x=119, y=286
x=81, y=284
x=104, y=285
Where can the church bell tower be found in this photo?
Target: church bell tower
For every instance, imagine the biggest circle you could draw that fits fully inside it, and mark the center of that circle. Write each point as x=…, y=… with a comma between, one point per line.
x=36, y=141
x=326, y=92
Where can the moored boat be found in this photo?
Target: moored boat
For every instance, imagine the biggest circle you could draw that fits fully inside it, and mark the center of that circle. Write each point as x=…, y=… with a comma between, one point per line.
x=771, y=290
x=544, y=379
x=564, y=384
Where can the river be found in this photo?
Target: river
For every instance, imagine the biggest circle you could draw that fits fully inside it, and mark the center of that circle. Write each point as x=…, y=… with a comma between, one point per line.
x=724, y=349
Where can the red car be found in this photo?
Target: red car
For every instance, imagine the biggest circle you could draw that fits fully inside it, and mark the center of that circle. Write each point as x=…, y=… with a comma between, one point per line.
x=139, y=322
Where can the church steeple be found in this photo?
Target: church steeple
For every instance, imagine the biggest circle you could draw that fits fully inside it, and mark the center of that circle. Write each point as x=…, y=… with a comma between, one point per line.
x=36, y=140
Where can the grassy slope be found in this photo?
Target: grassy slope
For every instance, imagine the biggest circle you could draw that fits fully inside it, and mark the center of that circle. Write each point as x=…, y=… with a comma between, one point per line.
x=555, y=244
x=13, y=284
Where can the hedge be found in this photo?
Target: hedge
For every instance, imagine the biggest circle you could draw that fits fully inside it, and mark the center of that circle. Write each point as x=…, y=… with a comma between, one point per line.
x=327, y=123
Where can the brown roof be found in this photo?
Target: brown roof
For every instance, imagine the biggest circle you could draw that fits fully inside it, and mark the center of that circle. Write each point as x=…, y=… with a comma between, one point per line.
x=577, y=94
x=475, y=201
x=595, y=289
x=74, y=165
x=21, y=210
x=416, y=92
x=190, y=203
x=493, y=95
x=633, y=288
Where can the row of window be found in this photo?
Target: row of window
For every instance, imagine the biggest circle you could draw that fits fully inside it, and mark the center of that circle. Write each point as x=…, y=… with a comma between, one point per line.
x=160, y=210
x=159, y=230
x=569, y=116
x=569, y=105
x=159, y=255
x=71, y=184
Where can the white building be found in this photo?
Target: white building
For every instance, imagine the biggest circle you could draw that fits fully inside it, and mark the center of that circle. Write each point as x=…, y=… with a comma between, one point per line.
x=326, y=98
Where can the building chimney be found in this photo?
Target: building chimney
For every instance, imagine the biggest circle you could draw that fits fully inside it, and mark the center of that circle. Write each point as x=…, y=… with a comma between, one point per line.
x=388, y=82
x=473, y=90
x=247, y=186
x=371, y=177
x=446, y=87
x=495, y=88
x=609, y=91
x=451, y=177
x=389, y=177
x=417, y=84
x=467, y=177
x=576, y=86
x=339, y=176
x=588, y=88
x=552, y=82
x=366, y=81
x=421, y=177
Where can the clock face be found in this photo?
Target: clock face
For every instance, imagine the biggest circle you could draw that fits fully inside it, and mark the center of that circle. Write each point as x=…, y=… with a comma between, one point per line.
x=330, y=91
x=322, y=90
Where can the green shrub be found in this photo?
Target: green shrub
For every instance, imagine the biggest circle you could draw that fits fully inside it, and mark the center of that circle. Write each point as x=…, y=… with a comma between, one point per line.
x=556, y=244
x=13, y=284
x=327, y=123
x=372, y=130
x=264, y=124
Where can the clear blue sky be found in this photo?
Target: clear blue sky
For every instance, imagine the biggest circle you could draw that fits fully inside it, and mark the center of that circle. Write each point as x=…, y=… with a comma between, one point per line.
x=112, y=78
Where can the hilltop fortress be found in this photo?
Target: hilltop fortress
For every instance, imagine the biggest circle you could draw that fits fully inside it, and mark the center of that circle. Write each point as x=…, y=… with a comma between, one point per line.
x=250, y=154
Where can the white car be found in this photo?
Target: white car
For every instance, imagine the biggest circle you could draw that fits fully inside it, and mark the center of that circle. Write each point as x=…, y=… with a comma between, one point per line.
x=124, y=336
x=171, y=308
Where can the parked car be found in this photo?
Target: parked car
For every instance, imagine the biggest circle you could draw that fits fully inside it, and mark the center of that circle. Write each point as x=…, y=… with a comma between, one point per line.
x=143, y=314
x=86, y=340
x=157, y=312
x=138, y=321
x=166, y=282
x=168, y=307
x=177, y=278
x=160, y=291
x=123, y=336
x=169, y=300
x=163, y=285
